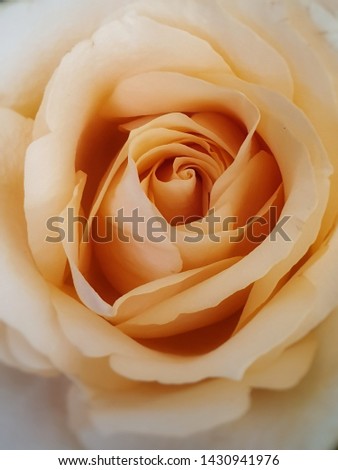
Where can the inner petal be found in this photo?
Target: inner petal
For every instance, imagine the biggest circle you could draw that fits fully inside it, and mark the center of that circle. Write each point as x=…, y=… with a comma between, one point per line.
x=179, y=198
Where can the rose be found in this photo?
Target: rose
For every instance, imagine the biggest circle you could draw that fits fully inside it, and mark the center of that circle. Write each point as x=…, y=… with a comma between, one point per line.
x=211, y=81
x=75, y=366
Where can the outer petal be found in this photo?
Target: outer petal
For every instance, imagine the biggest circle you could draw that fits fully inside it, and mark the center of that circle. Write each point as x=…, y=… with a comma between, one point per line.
x=309, y=410
x=17, y=272
x=34, y=36
x=241, y=47
x=29, y=330
x=293, y=31
x=152, y=409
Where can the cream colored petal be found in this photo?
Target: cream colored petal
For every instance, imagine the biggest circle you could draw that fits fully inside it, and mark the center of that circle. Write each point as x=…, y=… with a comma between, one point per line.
x=323, y=13
x=26, y=355
x=25, y=298
x=140, y=45
x=250, y=57
x=49, y=180
x=25, y=305
x=155, y=409
x=309, y=409
x=16, y=352
x=34, y=36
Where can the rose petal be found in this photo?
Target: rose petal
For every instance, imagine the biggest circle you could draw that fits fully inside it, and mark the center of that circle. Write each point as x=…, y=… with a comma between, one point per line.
x=71, y=244
x=286, y=370
x=126, y=261
x=30, y=314
x=250, y=57
x=16, y=264
x=27, y=356
x=314, y=70
x=171, y=411
x=48, y=167
x=309, y=409
x=147, y=297
x=28, y=60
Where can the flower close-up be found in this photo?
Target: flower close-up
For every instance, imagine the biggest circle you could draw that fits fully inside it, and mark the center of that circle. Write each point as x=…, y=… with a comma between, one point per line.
x=169, y=241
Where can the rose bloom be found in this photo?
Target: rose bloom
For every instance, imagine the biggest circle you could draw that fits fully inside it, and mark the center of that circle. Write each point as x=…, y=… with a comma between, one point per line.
x=148, y=121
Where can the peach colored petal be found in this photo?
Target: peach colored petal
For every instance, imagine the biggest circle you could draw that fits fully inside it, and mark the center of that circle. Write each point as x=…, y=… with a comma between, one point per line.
x=203, y=242
x=84, y=290
x=275, y=248
x=158, y=324
x=148, y=296
x=216, y=127
x=321, y=273
x=142, y=94
x=126, y=261
x=78, y=324
x=286, y=370
x=230, y=132
x=256, y=183
x=182, y=196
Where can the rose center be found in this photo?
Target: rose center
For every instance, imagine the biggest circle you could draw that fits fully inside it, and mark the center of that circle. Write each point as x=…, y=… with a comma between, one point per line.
x=178, y=165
